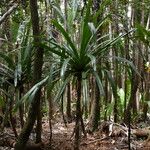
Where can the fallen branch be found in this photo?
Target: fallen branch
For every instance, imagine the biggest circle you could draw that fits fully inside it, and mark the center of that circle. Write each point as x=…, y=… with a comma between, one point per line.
x=11, y=9
x=142, y=133
x=96, y=140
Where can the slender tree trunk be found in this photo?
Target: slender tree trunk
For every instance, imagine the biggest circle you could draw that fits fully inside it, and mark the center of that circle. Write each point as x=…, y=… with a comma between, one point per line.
x=5, y=109
x=95, y=108
x=12, y=119
x=92, y=93
x=68, y=103
x=106, y=99
x=147, y=95
x=127, y=56
x=95, y=111
x=21, y=107
x=137, y=17
x=115, y=63
x=131, y=103
x=39, y=123
x=50, y=107
x=78, y=114
x=68, y=109
x=62, y=109
x=37, y=71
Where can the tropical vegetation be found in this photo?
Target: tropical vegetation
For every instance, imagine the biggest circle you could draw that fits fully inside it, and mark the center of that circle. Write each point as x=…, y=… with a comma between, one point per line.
x=90, y=57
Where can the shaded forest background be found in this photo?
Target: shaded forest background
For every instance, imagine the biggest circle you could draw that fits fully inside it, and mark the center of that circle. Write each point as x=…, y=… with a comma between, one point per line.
x=84, y=61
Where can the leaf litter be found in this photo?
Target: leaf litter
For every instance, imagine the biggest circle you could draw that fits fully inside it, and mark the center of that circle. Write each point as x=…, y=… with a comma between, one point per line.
x=109, y=136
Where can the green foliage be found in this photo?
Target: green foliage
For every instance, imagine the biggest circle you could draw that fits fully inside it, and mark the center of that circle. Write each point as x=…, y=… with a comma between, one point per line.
x=18, y=16
x=2, y=102
x=82, y=47
x=121, y=102
x=143, y=34
x=28, y=97
x=8, y=60
x=80, y=57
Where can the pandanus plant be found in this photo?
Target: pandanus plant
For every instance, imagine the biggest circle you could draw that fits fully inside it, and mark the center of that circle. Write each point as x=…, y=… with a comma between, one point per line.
x=15, y=68
x=78, y=60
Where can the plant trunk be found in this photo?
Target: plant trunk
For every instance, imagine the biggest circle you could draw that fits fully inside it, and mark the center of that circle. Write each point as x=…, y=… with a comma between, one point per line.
x=12, y=119
x=39, y=124
x=131, y=104
x=25, y=133
x=37, y=71
x=106, y=99
x=21, y=108
x=147, y=96
x=95, y=112
x=78, y=114
x=68, y=103
x=50, y=106
x=95, y=108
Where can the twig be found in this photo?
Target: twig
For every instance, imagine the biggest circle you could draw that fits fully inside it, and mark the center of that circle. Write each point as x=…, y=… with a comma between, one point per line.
x=8, y=13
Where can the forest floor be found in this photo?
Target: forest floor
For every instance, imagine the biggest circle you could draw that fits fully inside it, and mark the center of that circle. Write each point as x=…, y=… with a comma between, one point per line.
x=109, y=136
